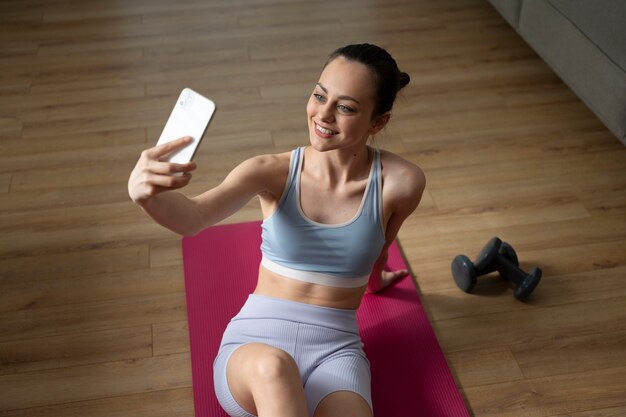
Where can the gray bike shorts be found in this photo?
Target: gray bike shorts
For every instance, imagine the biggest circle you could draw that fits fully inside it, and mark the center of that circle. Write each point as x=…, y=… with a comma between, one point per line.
x=324, y=342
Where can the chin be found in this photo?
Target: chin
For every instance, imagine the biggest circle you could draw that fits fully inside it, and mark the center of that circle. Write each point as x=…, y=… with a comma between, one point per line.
x=321, y=145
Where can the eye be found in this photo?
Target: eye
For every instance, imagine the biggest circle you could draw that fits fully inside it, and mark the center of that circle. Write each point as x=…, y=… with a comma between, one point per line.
x=345, y=109
x=318, y=97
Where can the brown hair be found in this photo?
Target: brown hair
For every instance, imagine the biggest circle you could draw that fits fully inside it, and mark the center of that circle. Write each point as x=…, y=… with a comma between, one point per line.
x=388, y=78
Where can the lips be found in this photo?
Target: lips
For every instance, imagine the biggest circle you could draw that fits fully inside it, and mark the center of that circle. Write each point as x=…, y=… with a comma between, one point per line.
x=324, y=131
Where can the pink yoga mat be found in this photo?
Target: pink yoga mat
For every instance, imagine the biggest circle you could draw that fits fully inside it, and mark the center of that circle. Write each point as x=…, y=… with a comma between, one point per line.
x=410, y=376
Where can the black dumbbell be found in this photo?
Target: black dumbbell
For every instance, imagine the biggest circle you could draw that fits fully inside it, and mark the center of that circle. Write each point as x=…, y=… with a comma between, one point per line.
x=465, y=272
x=495, y=256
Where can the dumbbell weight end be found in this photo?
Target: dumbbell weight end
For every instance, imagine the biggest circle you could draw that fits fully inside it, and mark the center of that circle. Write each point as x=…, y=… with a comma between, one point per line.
x=464, y=273
x=524, y=283
x=528, y=285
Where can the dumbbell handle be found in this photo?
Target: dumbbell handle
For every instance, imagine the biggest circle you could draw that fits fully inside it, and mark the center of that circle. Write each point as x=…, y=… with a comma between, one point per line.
x=508, y=269
x=488, y=270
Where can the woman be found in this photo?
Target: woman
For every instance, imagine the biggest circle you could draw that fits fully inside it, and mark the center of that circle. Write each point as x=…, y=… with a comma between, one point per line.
x=331, y=210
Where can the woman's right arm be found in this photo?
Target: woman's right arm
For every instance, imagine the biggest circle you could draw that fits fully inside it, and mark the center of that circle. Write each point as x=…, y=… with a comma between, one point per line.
x=152, y=183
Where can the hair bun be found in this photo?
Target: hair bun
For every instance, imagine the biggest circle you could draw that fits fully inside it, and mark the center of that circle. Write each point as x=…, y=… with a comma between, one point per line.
x=403, y=80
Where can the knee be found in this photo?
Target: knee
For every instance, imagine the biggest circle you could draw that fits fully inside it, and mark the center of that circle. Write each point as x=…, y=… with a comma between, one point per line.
x=274, y=364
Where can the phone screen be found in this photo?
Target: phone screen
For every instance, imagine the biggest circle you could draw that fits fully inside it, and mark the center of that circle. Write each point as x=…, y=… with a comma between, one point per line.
x=190, y=117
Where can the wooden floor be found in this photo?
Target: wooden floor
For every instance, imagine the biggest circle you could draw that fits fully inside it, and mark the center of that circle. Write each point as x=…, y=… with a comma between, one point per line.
x=92, y=304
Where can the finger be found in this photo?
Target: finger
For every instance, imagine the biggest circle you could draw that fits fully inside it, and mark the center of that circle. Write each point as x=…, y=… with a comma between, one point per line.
x=168, y=147
x=170, y=181
x=165, y=168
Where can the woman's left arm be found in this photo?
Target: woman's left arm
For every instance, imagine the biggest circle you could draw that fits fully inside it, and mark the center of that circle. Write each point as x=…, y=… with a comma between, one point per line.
x=407, y=187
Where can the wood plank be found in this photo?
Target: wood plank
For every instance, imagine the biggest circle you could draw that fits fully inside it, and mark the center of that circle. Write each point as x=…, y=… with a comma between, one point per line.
x=600, y=351
x=52, y=144
x=424, y=246
x=166, y=252
x=435, y=276
x=492, y=294
x=46, y=103
x=10, y=127
x=197, y=33
x=77, y=239
x=75, y=176
x=95, y=316
x=55, y=352
x=484, y=366
x=51, y=264
x=115, y=11
x=494, y=215
x=68, y=196
x=605, y=412
x=551, y=170
x=225, y=98
x=604, y=198
x=119, y=157
x=5, y=183
x=13, y=85
x=88, y=382
x=162, y=403
x=70, y=217
x=286, y=13
x=102, y=108
x=69, y=65
x=532, y=324
x=552, y=395
x=91, y=288
x=171, y=337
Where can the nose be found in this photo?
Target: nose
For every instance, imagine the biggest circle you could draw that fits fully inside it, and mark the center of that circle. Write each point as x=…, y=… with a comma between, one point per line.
x=325, y=112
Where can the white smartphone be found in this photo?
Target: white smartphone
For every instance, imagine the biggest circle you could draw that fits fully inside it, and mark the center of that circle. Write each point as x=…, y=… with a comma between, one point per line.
x=190, y=117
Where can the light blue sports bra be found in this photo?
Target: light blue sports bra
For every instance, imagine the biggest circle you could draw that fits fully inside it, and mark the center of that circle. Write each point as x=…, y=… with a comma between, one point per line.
x=336, y=255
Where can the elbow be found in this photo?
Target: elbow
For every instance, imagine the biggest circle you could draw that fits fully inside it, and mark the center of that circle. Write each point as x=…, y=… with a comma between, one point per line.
x=191, y=231
x=195, y=222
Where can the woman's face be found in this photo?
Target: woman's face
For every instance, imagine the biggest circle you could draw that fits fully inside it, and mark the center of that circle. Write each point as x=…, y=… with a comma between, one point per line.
x=341, y=106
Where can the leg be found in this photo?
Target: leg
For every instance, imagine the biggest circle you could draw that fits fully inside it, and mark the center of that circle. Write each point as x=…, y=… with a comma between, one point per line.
x=343, y=404
x=340, y=386
x=265, y=381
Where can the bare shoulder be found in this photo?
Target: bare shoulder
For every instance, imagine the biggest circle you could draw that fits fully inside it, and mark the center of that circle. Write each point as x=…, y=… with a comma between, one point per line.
x=271, y=170
x=402, y=179
x=268, y=163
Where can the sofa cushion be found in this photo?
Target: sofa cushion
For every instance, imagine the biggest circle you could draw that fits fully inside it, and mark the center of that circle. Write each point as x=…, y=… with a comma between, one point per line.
x=597, y=78
x=602, y=21
x=509, y=9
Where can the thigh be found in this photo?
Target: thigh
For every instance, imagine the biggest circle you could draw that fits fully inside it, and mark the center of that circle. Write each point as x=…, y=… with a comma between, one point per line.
x=234, y=407
x=344, y=404
x=246, y=343
x=238, y=369
x=341, y=376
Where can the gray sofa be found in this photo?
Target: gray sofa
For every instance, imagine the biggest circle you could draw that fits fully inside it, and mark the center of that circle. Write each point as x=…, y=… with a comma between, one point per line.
x=584, y=42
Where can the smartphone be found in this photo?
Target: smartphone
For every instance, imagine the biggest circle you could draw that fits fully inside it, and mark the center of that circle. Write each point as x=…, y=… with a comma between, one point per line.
x=191, y=116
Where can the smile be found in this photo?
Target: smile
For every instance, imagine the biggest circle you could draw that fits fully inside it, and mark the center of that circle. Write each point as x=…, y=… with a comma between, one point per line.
x=324, y=130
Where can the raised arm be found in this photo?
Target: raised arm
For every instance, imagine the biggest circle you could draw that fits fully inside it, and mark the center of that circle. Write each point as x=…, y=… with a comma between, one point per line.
x=152, y=183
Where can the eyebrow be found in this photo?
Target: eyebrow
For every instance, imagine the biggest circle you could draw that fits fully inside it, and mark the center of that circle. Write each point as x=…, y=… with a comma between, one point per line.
x=340, y=97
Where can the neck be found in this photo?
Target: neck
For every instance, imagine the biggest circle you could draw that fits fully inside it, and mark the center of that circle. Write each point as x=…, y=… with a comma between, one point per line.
x=338, y=166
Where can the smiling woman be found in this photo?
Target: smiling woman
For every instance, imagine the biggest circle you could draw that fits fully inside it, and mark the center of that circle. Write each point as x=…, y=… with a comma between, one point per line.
x=342, y=105
x=331, y=210
x=356, y=91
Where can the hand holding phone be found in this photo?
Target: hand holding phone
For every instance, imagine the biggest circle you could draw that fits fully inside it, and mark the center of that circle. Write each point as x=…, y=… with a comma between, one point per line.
x=152, y=176
x=191, y=116
x=167, y=166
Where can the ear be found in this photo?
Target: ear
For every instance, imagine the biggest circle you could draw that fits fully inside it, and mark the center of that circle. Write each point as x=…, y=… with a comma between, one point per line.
x=379, y=123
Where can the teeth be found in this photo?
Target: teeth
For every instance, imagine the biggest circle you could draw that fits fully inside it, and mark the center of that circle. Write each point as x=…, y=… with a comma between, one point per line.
x=325, y=131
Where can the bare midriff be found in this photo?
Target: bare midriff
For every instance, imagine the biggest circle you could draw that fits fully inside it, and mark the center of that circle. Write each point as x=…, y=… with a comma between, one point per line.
x=274, y=285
